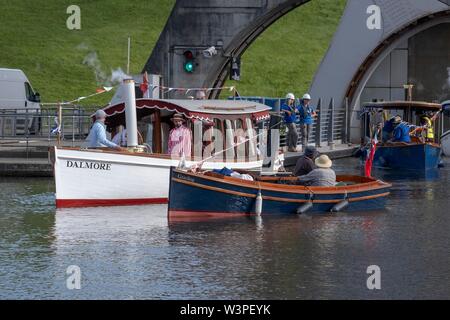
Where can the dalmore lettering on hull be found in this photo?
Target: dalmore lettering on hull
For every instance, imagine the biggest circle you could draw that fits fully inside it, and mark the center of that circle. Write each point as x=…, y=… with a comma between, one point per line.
x=88, y=165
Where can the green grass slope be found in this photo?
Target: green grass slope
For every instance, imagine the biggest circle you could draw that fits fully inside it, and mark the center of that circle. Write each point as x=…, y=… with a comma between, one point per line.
x=64, y=64
x=285, y=57
x=34, y=38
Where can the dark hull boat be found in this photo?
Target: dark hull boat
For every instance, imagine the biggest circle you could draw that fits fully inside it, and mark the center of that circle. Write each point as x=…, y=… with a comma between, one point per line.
x=414, y=156
x=211, y=194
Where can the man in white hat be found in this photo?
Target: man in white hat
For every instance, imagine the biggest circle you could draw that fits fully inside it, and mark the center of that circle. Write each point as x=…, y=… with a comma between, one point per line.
x=97, y=135
x=307, y=114
x=179, y=138
x=322, y=176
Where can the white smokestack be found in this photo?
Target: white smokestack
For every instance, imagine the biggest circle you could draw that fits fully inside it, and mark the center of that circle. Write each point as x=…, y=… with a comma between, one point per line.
x=130, y=112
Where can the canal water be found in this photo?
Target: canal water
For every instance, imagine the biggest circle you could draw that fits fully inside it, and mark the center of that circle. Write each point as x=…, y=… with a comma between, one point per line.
x=136, y=253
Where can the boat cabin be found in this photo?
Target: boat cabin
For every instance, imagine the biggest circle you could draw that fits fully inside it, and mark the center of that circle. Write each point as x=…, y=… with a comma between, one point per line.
x=374, y=113
x=221, y=123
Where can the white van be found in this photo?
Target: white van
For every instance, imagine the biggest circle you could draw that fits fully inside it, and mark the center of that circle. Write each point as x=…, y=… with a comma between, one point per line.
x=17, y=96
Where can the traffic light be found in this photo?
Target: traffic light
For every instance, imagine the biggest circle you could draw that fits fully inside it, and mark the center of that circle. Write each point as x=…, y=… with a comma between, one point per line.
x=235, y=72
x=189, y=61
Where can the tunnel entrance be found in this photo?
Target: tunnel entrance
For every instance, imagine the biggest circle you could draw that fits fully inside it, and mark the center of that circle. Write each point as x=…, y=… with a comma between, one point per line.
x=419, y=54
x=422, y=60
x=429, y=63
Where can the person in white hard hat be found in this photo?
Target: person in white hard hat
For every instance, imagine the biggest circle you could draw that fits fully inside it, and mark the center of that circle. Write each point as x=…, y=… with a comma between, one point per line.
x=307, y=114
x=290, y=118
x=97, y=135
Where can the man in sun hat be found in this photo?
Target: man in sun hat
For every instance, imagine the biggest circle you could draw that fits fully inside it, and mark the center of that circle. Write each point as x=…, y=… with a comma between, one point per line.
x=322, y=176
x=179, y=138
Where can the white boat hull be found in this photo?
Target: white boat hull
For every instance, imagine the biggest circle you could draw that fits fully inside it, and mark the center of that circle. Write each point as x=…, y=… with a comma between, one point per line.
x=445, y=143
x=86, y=178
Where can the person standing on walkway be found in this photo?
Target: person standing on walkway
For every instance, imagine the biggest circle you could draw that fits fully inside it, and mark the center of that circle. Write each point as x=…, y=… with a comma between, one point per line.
x=307, y=114
x=290, y=119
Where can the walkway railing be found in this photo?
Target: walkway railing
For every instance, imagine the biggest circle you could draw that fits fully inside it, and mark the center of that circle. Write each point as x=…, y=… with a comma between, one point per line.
x=331, y=126
x=41, y=127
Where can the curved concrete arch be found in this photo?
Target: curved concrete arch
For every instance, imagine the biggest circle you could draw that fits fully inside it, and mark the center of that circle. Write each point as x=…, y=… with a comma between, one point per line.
x=375, y=58
x=357, y=50
x=244, y=39
x=231, y=26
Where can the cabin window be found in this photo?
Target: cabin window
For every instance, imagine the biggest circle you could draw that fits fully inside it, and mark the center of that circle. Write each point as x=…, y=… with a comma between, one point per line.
x=229, y=140
x=213, y=139
x=251, y=135
x=29, y=92
x=197, y=136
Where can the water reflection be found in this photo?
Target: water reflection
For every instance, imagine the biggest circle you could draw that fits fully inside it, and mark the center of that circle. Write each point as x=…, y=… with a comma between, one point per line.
x=136, y=252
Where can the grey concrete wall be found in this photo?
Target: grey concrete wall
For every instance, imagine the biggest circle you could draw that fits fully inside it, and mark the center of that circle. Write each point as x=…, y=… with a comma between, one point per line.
x=429, y=64
x=388, y=79
x=353, y=43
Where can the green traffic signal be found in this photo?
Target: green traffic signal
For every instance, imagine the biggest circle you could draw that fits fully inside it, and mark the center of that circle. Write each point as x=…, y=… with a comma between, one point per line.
x=189, y=66
x=189, y=58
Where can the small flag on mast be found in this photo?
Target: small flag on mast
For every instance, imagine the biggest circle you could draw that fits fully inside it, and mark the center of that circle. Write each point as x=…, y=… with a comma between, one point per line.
x=144, y=85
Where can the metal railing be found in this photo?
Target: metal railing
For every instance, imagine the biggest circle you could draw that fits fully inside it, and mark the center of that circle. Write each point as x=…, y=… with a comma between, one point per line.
x=40, y=127
x=330, y=127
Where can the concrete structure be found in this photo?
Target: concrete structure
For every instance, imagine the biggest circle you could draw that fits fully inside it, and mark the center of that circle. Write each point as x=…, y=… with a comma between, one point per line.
x=196, y=25
x=363, y=61
x=364, y=64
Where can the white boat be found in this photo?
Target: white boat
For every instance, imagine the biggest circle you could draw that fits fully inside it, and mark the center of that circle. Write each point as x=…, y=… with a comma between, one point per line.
x=105, y=177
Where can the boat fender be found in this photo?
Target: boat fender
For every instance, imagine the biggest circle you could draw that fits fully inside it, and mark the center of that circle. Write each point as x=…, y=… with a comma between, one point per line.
x=258, y=204
x=340, y=206
x=305, y=207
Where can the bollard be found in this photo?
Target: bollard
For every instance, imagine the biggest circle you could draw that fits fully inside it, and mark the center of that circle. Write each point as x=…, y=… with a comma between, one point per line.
x=331, y=125
x=318, y=134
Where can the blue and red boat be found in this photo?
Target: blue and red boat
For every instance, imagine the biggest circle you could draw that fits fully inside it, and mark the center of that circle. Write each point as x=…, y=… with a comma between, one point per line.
x=418, y=154
x=212, y=194
x=412, y=156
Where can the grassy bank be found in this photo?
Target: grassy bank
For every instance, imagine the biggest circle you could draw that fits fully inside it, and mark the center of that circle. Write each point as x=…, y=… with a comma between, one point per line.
x=285, y=57
x=64, y=64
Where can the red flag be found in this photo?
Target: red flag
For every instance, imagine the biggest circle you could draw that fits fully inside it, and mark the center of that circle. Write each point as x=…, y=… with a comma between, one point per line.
x=369, y=161
x=144, y=85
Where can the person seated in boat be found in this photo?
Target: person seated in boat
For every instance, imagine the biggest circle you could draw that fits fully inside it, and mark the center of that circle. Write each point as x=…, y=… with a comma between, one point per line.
x=388, y=128
x=305, y=163
x=322, y=176
x=179, y=138
x=97, y=135
x=363, y=151
x=426, y=123
x=401, y=131
x=121, y=138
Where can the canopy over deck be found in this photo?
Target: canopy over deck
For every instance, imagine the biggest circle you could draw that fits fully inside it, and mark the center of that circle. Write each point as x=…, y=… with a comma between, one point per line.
x=204, y=110
x=396, y=105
